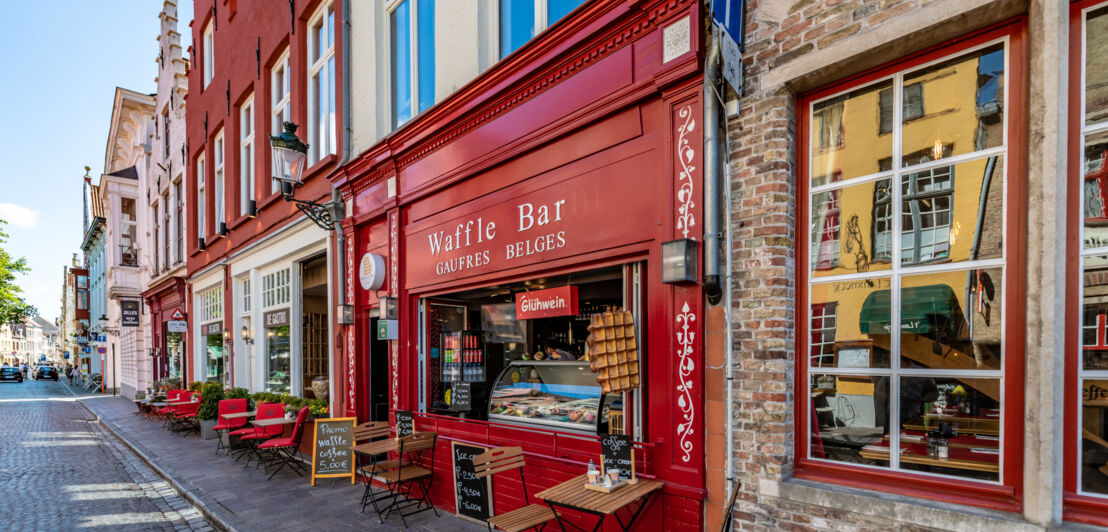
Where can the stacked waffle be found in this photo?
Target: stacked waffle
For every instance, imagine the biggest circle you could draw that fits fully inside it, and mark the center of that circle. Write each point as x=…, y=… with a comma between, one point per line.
x=613, y=352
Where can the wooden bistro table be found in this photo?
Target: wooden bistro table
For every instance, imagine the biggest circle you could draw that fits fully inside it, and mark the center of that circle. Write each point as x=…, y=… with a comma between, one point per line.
x=237, y=415
x=272, y=421
x=572, y=494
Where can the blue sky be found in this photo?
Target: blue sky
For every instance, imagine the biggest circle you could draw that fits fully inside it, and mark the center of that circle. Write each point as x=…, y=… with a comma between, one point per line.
x=60, y=61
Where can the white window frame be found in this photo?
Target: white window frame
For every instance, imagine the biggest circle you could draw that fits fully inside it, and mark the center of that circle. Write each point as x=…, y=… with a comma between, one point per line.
x=413, y=59
x=178, y=223
x=245, y=301
x=246, y=155
x=209, y=52
x=897, y=270
x=280, y=90
x=218, y=178
x=323, y=67
x=211, y=304
x=201, y=201
x=542, y=22
x=124, y=225
x=277, y=288
x=1086, y=130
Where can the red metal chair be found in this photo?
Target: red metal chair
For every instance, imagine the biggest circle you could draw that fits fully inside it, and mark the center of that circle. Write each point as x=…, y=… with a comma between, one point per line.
x=170, y=412
x=255, y=435
x=223, y=425
x=282, y=451
x=184, y=419
x=172, y=396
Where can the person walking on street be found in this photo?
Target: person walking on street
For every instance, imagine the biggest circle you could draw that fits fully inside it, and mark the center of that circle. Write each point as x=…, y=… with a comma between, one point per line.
x=74, y=374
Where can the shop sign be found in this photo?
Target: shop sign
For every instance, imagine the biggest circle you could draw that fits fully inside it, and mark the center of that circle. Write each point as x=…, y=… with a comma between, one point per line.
x=177, y=314
x=371, y=271
x=388, y=330
x=503, y=231
x=472, y=495
x=177, y=326
x=333, y=448
x=405, y=424
x=560, y=301
x=129, y=313
x=211, y=328
x=276, y=318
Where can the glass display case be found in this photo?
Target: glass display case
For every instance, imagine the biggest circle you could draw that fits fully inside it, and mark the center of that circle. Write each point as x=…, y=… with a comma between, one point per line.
x=551, y=394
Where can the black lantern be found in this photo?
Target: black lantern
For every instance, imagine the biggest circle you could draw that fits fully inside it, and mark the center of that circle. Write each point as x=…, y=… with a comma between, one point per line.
x=291, y=155
x=388, y=308
x=679, y=261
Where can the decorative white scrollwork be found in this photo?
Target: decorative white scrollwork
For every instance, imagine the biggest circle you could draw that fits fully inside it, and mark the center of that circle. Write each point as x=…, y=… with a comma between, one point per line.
x=686, y=156
x=686, y=337
x=394, y=284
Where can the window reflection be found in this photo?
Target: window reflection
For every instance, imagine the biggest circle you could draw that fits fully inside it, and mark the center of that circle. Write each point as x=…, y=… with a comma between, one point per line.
x=964, y=103
x=849, y=419
x=1096, y=66
x=838, y=338
x=846, y=137
x=843, y=228
x=952, y=320
x=950, y=426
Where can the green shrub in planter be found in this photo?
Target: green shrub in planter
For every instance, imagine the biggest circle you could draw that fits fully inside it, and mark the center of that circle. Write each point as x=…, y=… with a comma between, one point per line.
x=211, y=394
x=240, y=393
x=195, y=386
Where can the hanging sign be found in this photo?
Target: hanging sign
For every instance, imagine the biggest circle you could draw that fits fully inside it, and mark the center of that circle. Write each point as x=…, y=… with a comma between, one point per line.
x=371, y=271
x=561, y=301
x=129, y=313
x=333, y=448
x=177, y=326
x=177, y=314
x=472, y=495
x=388, y=330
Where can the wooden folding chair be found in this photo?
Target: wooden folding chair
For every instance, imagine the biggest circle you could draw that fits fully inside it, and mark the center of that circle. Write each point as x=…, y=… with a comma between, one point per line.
x=365, y=433
x=408, y=475
x=530, y=516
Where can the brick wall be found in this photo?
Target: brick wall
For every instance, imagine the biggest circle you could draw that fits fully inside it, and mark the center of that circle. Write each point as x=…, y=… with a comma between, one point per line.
x=763, y=160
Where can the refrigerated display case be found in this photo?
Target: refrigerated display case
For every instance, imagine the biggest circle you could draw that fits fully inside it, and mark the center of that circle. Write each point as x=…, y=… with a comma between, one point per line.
x=551, y=394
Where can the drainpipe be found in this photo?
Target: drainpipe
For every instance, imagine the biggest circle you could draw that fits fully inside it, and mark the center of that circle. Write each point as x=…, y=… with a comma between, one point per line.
x=336, y=195
x=990, y=166
x=713, y=177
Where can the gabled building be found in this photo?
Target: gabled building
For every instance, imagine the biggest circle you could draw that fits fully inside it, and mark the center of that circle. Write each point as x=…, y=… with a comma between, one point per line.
x=163, y=193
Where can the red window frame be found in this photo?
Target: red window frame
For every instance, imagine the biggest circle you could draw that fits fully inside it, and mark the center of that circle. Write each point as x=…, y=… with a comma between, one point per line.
x=1005, y=496
x=1075, y=507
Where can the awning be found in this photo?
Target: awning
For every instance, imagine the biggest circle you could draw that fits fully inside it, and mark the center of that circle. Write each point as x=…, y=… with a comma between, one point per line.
x=923, y=309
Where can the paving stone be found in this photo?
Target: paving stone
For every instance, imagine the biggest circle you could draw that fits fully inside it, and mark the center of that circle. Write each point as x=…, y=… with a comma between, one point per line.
x=60, y=470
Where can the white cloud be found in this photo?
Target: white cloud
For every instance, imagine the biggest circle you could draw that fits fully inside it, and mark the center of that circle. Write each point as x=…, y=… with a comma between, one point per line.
x=18, y=216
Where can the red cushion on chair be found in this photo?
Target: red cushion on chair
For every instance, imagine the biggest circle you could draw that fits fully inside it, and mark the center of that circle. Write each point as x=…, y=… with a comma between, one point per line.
x=253, y=435
x=276, y=442
x=242, y=432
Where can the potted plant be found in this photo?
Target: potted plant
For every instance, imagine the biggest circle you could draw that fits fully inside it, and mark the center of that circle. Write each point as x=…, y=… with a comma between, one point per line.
x=211, y=394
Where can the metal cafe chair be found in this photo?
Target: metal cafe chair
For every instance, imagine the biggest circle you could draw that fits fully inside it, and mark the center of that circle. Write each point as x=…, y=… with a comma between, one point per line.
x=223, y=425
x=371, y=431
x=404, y=480
x=255, y=435
x=530, y=516
x=282, y=451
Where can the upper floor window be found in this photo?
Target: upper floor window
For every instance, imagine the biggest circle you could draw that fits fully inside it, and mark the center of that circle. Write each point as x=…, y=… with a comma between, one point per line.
x=244, y=288
x=201, y=204
x=167, y=229
x=521, y=20
x=128, y=232
x=179, y=218
x=209, y=53
x=217, y=178
x=412, y=27
x=906, y=274
x=165, y=133
x=211, y=304
x=321, y=84
x=246, y=157
x=279, y=108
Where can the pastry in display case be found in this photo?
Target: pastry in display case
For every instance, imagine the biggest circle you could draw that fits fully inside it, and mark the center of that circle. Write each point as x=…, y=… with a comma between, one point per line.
x=551, y=394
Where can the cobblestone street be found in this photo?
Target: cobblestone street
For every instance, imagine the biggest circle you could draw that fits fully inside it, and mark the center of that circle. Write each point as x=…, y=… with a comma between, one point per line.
x=60, y=470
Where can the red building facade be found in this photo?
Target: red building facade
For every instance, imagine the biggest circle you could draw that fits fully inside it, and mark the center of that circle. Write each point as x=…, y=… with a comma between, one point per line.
x=255, y=66
x=569, y=163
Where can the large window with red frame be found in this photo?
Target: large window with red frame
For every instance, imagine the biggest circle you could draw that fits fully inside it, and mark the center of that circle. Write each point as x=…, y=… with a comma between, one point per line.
x=1092, y=474
x=906, y=268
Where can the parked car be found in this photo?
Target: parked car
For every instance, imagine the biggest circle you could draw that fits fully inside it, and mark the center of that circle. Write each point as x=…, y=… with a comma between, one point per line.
x=11, y=374
x=46, y=372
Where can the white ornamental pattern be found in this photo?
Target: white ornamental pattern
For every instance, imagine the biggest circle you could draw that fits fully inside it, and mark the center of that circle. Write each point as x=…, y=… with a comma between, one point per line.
x=686, y=156
x=350, y=330
x=394, y=284
x=686, y=337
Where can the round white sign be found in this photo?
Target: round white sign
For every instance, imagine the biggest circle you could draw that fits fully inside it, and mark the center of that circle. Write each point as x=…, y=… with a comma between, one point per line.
x=371, y=271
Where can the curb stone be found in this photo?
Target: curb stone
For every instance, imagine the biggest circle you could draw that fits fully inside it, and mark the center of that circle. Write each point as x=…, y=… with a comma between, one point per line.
x=197, y=501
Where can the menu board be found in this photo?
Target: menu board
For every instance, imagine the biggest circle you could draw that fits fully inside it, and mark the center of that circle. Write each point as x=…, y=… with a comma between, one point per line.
x=461, y=396
x=618, y=454
x=472, y=495
x=333, y=448
x=405, y=424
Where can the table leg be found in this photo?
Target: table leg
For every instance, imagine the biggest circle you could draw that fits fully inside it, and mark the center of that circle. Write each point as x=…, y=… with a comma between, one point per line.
x=635, y=514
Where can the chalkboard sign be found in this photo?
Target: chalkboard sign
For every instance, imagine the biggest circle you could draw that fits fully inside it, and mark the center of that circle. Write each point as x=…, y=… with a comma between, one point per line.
x=405, y=424
x=333, y=448
x=461, y=397
x=618, y=454
x=472, y=495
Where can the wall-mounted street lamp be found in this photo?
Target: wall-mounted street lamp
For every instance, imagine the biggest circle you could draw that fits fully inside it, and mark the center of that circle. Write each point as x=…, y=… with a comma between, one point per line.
x=247, y=336
x=289, y=151
x=679, y=261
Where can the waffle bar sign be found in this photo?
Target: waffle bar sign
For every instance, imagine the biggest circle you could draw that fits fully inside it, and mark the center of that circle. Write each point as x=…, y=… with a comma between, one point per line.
x=561, y=301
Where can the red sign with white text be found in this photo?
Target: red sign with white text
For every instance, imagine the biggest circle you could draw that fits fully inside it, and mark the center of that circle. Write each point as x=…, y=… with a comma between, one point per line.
x=561, y=301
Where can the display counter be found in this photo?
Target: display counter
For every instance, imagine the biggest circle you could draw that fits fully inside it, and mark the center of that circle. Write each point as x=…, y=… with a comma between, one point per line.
x=552, y=395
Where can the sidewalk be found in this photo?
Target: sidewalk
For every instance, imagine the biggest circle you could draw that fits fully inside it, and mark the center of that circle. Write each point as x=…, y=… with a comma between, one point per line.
x=241, y=499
